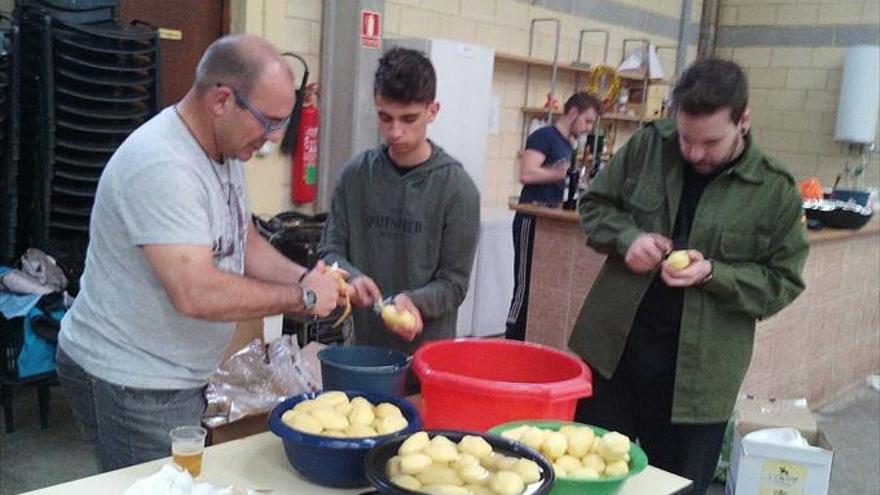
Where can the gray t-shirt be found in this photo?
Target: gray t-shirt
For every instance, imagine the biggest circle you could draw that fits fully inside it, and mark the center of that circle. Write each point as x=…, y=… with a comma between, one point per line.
x=158, y=188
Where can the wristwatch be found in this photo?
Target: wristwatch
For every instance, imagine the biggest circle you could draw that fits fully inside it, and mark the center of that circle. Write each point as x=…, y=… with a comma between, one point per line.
x=310, y=300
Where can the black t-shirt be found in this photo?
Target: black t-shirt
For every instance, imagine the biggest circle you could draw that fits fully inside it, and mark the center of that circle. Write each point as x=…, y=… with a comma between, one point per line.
x=652, y=346
x=556, y=148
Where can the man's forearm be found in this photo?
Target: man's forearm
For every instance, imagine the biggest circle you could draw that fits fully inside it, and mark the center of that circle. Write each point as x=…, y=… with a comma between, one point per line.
x=264, y=262
x=227, y=297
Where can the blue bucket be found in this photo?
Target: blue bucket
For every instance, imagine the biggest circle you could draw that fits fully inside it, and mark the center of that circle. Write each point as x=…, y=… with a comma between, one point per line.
x=367, y=368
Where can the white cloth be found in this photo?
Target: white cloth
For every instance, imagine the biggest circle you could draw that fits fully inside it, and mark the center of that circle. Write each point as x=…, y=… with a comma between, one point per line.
x=171, y=480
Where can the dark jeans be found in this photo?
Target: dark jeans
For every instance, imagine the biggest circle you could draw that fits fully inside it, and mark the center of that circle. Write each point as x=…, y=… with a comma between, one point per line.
x=640, y=407
x=127, y=425
x=523, y=240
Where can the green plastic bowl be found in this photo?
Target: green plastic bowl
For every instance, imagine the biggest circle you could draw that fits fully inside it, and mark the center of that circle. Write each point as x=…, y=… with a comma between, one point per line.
x=574, y=486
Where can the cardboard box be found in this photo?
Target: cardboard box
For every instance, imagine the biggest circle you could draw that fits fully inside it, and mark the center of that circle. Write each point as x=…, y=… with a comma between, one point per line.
x=244, y=427
x=759, y=468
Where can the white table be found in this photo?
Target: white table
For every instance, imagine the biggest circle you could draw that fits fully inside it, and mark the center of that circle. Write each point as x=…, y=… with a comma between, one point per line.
x=258, y=462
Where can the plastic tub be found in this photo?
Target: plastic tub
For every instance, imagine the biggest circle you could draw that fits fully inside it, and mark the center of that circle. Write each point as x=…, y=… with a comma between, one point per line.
x=329, y=461
x=361, y=367
x=610, y=485
x=474, y=384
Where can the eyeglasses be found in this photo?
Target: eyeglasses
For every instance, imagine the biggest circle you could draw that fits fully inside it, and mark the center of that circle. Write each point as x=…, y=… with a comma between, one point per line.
x=269, y=124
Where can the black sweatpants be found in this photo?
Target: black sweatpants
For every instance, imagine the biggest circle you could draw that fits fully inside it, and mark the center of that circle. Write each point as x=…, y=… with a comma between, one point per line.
x=523, y=240
x=640, y=407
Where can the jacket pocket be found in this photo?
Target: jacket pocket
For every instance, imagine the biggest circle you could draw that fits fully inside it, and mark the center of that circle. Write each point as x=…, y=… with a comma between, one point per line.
x=739, y=245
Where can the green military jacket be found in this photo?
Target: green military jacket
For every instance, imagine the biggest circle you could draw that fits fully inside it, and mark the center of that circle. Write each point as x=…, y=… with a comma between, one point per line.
x=748, y=220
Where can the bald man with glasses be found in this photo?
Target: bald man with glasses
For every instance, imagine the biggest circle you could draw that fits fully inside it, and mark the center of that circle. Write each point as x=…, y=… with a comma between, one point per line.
x=173, y=259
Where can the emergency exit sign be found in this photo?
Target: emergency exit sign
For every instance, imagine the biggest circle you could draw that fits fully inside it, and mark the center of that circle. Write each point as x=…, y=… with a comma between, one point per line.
x=371, y=29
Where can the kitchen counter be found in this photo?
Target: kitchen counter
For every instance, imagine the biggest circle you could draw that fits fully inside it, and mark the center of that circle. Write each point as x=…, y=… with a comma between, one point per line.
x=817, y=347
x=258, y=462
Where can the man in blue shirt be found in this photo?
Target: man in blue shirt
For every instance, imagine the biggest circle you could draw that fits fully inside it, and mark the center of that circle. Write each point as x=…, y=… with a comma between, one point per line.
x=543, y=165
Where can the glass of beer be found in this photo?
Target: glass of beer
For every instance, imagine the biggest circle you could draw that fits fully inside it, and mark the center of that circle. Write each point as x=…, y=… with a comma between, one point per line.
x=187, y=446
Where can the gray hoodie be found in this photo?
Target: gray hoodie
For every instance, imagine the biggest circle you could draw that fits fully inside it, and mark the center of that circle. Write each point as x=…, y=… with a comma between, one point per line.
x=414, y=233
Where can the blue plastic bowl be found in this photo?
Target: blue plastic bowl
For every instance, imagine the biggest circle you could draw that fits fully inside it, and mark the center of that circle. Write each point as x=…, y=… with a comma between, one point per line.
x=361, y=367
x=336, y=462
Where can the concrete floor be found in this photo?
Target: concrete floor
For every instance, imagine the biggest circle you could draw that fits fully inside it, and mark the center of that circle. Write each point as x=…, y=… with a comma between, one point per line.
x=31, y=458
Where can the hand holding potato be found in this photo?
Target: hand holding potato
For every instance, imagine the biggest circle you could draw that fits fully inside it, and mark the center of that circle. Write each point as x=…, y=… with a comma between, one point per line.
x=403, y=317
x=693, y=274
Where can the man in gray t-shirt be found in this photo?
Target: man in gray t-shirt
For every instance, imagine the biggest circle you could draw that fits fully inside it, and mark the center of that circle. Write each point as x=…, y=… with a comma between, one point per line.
x=173, y=259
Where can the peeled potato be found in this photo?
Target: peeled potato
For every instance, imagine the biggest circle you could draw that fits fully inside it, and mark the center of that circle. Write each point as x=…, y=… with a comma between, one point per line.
x=330, y=419
x=579, y=441
x=534, y=437
x=515, y=433
x=613, y=446
x=506, y=463
x=406, y=481
x=554, y=446
x=464, y=460
x=333, y=397
x=414, y=463
x=391, y=424
x=474, y=445
x=594, y=462
x=361, y=431
x=474, y=474
x=392, y=467
x=441, y=452
x=438, y=474
x=414, y=443
x=386, y=409
x=288, y=416
x=343, y=407
x=616, y=468
x=306, y=423
x=306, y=405
x=528, y=470
x=361, y=415
x=568, y=462
x=507, y=483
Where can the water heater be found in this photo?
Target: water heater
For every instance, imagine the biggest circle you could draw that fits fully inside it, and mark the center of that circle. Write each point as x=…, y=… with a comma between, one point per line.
x=859, y=95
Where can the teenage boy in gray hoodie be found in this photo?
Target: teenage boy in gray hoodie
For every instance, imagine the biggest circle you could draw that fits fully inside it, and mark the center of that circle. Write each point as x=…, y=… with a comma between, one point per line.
x=405, y=216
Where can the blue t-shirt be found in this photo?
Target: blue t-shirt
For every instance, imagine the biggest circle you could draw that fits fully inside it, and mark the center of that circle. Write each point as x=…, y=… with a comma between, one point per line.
x=555, y=147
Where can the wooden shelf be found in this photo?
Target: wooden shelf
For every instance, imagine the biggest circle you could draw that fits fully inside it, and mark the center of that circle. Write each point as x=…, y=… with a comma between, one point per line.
x=537, y=62
x=622, y=116
x=539, y=111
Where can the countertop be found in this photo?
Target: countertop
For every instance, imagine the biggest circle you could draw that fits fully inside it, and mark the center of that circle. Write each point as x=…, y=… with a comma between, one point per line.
x=258, y=462
x=815, y=236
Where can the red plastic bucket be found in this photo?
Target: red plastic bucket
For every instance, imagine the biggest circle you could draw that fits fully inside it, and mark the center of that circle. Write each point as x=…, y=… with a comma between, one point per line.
x=474, y=384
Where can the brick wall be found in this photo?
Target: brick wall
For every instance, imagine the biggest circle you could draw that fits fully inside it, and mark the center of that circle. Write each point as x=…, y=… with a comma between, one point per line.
x=793, y=54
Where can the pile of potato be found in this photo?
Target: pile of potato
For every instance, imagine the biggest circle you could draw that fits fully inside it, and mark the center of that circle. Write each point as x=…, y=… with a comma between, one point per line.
x=439, y=466
x=576, y=451
x=332, y=414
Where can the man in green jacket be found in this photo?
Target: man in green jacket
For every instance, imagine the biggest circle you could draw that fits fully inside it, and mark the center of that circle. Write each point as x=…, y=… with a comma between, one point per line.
x=670, y=347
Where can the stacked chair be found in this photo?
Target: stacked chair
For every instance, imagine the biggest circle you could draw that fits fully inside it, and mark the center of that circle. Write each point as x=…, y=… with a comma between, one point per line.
x=88, y=81
x=9, y=131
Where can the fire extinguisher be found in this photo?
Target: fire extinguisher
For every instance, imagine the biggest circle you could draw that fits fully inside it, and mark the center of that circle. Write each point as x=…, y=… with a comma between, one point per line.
x=303, y=184
x=301, y=140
